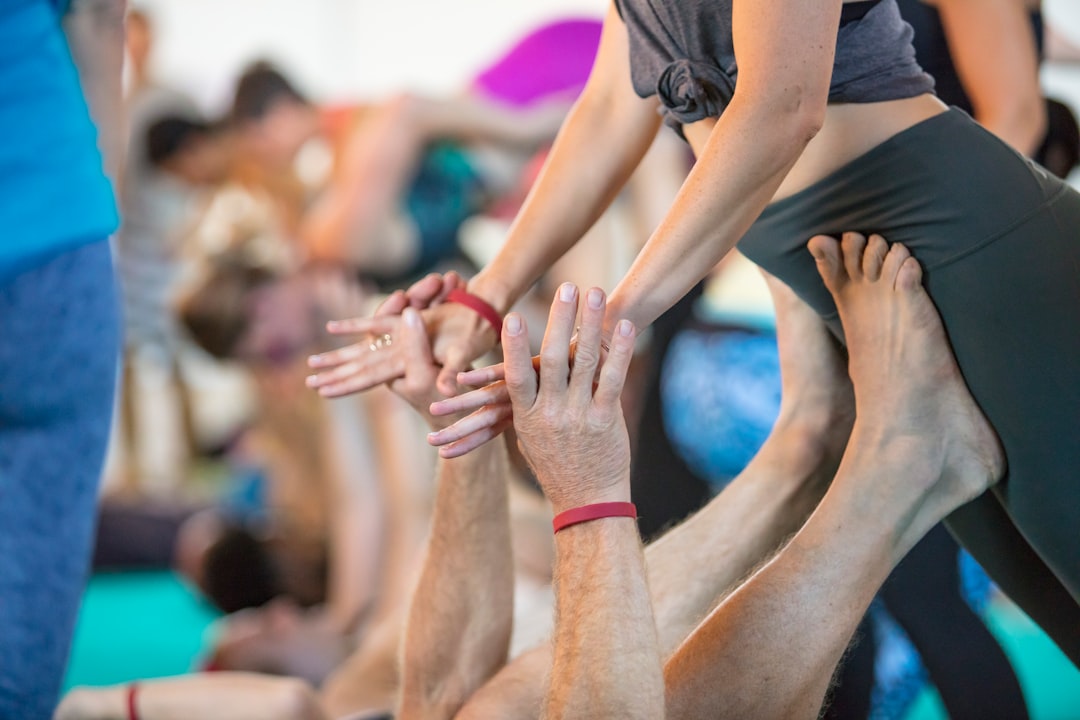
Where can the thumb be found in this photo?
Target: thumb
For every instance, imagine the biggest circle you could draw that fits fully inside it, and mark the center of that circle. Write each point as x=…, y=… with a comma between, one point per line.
x=457, y=360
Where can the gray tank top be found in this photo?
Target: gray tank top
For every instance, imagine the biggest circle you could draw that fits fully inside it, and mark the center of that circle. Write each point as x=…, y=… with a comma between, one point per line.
x=682, y=51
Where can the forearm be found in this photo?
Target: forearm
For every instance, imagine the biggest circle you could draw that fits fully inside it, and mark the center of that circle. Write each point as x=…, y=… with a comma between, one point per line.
x=695, y=564
x=356, y=510
x=222, y=696
x=606, y=654
x=749, y=152
x=595, y=153
x=95, y=34
x=458, y=632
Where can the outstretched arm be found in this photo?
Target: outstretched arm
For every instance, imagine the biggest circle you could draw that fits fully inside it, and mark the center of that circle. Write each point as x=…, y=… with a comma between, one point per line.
x=458, y=630
x=993, y=47
x=220, y=696
x=785, y=53
x=606, y=653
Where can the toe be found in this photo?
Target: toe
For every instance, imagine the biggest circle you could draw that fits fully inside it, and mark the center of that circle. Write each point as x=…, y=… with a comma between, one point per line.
x=830, y=265
x=874, y=257
x=853, y=246
x=909, y=276
x=893, y=260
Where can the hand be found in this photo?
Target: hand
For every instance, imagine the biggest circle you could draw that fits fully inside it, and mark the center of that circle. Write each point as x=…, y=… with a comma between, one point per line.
x=374, y=361
x=417, y=385
x=571, y=431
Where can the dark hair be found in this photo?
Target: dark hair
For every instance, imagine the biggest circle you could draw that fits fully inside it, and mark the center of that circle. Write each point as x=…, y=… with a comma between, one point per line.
x=259, y=88
x=240, y=572
x=1060, y=151
x=168, y=137
x=215, y=313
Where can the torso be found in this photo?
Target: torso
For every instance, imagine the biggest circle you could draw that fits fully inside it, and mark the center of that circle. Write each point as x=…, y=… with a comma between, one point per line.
x=848, y=131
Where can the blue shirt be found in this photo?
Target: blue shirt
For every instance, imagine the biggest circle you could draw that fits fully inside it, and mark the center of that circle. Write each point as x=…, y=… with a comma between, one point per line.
x=54, y=195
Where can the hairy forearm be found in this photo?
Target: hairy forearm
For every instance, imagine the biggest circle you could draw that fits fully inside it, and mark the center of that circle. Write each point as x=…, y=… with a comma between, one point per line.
x=749, y=152
x=458, y=632
x=570, y=194
x=606, y=654
x=691, y=567
x=95, y=34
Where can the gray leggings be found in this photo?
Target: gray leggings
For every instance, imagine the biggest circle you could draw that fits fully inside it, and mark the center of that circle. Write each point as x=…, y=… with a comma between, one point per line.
x=999, y=241
x=59, y=343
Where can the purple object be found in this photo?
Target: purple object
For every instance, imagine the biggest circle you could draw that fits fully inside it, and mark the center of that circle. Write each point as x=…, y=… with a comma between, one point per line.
x=553, y=60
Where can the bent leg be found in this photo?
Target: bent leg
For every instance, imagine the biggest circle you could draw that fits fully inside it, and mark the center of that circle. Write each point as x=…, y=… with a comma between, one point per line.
x=919, y=449
x=59, y=343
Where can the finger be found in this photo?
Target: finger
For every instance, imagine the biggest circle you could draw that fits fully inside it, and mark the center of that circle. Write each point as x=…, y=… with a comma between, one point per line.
x=333, y=358
x=485, y=417
x=470, y=443
x=359, y=382
x=496, y=393
x=423, y=291
x=587, y=350
x=457, y=359
x=374, y=325
x=369, y=367
x=392, y=305
x=481, y=376
x=451, y=281
x=520, y=379
x=613, y=371
x=414, y=343
x=555, y=352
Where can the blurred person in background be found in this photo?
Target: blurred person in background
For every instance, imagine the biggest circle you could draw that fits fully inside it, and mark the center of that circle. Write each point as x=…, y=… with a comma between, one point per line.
x=59, y=323
x=355, y=665
x=158, y=212
x=407, y=172
x=984, y=56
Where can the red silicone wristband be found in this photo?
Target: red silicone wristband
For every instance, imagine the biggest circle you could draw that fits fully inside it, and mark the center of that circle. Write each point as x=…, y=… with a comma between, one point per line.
x=585, y=513
x=480, y=306
x=133, y=711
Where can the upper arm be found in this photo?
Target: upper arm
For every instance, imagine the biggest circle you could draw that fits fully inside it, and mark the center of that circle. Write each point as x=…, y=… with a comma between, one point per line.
x=992, y=45
x=785, y=50
x=610, y=87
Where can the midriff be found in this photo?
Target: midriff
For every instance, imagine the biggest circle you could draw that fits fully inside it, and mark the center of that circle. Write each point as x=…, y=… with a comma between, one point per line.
x=849, y=130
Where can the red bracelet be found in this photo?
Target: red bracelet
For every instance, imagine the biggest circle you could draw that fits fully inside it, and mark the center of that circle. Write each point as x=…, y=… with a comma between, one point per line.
x=479, y=305
x=585, y=513
x=133, y=712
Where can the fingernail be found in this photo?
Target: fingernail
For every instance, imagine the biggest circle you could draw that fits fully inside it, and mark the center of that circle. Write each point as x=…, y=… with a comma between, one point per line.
x=411, y=317
x=310, y=380
x=595, y=298
x=625, y=327
x=513, y=324
x=566, y=292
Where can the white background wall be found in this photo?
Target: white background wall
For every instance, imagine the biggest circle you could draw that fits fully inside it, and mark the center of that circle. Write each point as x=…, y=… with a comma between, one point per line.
x=349, y=49
x=342, y=49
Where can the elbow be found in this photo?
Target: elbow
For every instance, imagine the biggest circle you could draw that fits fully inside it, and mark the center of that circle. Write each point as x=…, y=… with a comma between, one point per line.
x=796, y=110
x=295, y=700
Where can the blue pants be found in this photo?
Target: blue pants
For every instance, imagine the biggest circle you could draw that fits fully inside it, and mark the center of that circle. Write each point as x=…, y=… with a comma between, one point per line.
x=59, y=347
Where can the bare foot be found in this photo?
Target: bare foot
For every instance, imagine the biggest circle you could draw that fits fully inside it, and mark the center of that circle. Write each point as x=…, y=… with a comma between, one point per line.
x=913, y=410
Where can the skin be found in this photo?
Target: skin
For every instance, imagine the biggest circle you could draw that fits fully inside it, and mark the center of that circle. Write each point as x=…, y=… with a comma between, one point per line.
x=575, y=439
x=777, y=136
x=993, y=48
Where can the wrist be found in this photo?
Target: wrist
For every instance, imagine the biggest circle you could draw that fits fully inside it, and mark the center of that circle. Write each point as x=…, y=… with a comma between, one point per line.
x=617, y=492
x=493, y=291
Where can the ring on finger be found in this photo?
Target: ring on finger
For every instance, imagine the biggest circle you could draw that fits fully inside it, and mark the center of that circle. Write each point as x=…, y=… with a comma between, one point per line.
x=380, y=342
